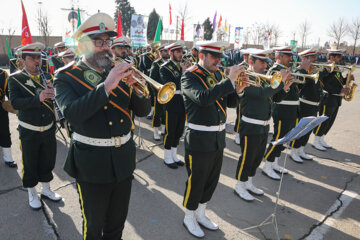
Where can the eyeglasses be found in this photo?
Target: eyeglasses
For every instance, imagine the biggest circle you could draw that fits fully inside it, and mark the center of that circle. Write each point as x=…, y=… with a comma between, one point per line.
x=100, y=42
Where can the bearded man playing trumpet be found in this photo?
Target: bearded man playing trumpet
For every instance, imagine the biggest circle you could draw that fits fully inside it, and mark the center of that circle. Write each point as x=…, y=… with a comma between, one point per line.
x=97, y=103
x=254, y=124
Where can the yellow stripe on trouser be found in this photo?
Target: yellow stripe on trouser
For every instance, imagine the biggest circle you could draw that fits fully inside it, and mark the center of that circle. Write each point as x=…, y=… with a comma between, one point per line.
x=22, y=161
x=166, y=127
x=277, y=137
x=154, y=112
x=238, y=123
x=82, y=211
x=293, y=142
x=318, y=128
x=188, y=188
x=243, y=159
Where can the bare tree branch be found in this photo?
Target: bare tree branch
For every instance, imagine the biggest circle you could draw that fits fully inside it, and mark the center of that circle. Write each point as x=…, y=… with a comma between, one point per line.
x=354, y=31
x=44, y=26
x=338, y=30
x=304, y=31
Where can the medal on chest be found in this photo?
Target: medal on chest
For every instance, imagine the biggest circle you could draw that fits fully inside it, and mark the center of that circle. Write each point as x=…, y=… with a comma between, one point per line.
x=92, y=77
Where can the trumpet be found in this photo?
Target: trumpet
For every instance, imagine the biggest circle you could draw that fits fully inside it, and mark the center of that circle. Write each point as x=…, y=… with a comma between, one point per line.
x=297, y=77
x=342, y=68
x=165, y=92
x=155, y=49
x=321, y=66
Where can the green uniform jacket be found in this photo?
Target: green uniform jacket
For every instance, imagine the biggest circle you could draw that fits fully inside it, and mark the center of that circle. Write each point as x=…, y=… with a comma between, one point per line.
x=256, y=104
x=170, y=72
x=146, y=61
x=81, y=96
x=57, y=62
x=31, y=110
x=333, y=83
x=282, y=111
x=155, y=73
x=206, y=97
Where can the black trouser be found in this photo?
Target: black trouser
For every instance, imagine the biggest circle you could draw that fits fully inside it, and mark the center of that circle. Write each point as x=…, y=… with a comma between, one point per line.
x=175, y=123
x=5, y=140
x=253, y=148
x=281, y=127
x=38, y=158
x=238, y=117
x=204, y=171
x=158, y=116
x=324, y=127
x=301, y=142
x=104, y=208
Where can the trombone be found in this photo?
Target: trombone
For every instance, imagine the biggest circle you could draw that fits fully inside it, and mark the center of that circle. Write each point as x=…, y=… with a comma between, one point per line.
x=165, y=92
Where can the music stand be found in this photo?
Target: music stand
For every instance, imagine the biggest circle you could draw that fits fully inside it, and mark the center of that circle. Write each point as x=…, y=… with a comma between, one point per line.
x=304, y=126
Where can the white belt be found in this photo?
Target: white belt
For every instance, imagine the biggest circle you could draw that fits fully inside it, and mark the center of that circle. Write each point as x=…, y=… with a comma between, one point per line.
x=217, y=128
x=255, y=121
x=102, y=142
x=309, y=102
x=338, y=95
x=178, y=92
x=289, y=102
x=35, y=128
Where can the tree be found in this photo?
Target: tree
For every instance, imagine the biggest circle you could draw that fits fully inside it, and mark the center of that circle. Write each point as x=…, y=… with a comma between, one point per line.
x=152, y=25
x=304, y=31
x=338, y=30
x=126, y=10
x=257, y=33
x=276, y=34
x=184, y=13
x=208, y=30
x=354, y=31
x=246, y=36
x=44, y=27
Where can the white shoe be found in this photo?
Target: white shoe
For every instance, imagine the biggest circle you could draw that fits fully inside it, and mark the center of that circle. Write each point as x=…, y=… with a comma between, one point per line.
x=47, y=193
x=163, y=129
x=275, y=165
x=168, y=160
x=323, y=143
x=156, y=134
x=237, y=138
x=175, y=158
x=294, y=156
x=268, y=171
x=149, y=116
x=203, y=220
x=241, y=191
x=250, y=187
x=316, y=144
x=7, y=155
x=302, y=154
x=34, y=200
x=192, y=225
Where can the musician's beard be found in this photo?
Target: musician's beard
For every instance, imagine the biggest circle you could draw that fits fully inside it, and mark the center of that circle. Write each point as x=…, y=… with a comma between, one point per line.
x=100, y=59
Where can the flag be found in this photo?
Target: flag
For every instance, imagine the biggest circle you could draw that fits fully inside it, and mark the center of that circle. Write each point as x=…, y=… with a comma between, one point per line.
x=170, y=14
x=214, y=21
x=158, y=32
x=79, y=19
x=182, y=37
x=25, y=31
x=226, y=27
x=119, y=26
x=219, y=24
x=8, y=50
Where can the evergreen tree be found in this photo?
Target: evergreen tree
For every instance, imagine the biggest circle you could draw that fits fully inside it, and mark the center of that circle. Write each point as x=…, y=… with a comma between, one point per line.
x=126, y=10
x=208, y=31
x=152, y=25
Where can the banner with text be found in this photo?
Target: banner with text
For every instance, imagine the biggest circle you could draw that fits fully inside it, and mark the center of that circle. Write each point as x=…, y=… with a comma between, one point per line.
x=238, y=37
x=138, y=30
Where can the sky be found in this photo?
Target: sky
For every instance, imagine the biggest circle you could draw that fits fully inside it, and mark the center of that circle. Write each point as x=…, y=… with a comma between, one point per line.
x=287, y=14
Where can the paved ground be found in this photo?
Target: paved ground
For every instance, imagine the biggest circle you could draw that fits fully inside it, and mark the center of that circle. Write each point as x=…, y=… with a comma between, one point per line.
x=319, y=199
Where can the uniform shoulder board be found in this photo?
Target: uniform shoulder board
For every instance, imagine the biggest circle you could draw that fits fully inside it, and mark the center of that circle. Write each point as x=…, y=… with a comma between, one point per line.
x=192, y=68
x=70, y=64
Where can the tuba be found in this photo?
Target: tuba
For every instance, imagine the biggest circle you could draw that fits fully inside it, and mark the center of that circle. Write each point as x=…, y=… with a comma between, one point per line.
x=165, y=92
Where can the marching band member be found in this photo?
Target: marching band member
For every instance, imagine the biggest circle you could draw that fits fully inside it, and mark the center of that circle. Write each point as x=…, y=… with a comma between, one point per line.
x=334, y=86
x=67, y=56
x=254, y=126
x=56, y=59
x=97, y=103
x=158, y=116
x=207, y=94
x=36, y=124
x=171, y=71
x=285, y=113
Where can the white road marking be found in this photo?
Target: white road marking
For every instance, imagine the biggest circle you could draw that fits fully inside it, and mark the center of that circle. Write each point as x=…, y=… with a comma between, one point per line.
x=319, y=232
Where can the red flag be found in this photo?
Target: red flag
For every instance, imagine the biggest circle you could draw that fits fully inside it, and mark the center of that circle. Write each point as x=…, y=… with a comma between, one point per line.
x=170, y=14
x=25, y=31
x=219, y=24
x=182, y=31
x=119, y=27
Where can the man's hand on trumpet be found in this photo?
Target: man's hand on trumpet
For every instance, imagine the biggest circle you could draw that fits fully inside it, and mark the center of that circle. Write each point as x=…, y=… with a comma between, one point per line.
x=236, y=72
x=286, y=79
x=116, y=74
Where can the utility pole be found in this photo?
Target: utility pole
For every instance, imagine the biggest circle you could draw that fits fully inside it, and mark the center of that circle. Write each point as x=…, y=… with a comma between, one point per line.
x=177, y=27
x=229, y=32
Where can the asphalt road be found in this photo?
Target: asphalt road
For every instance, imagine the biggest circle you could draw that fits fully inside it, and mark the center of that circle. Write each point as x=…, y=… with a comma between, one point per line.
x=319, y=199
